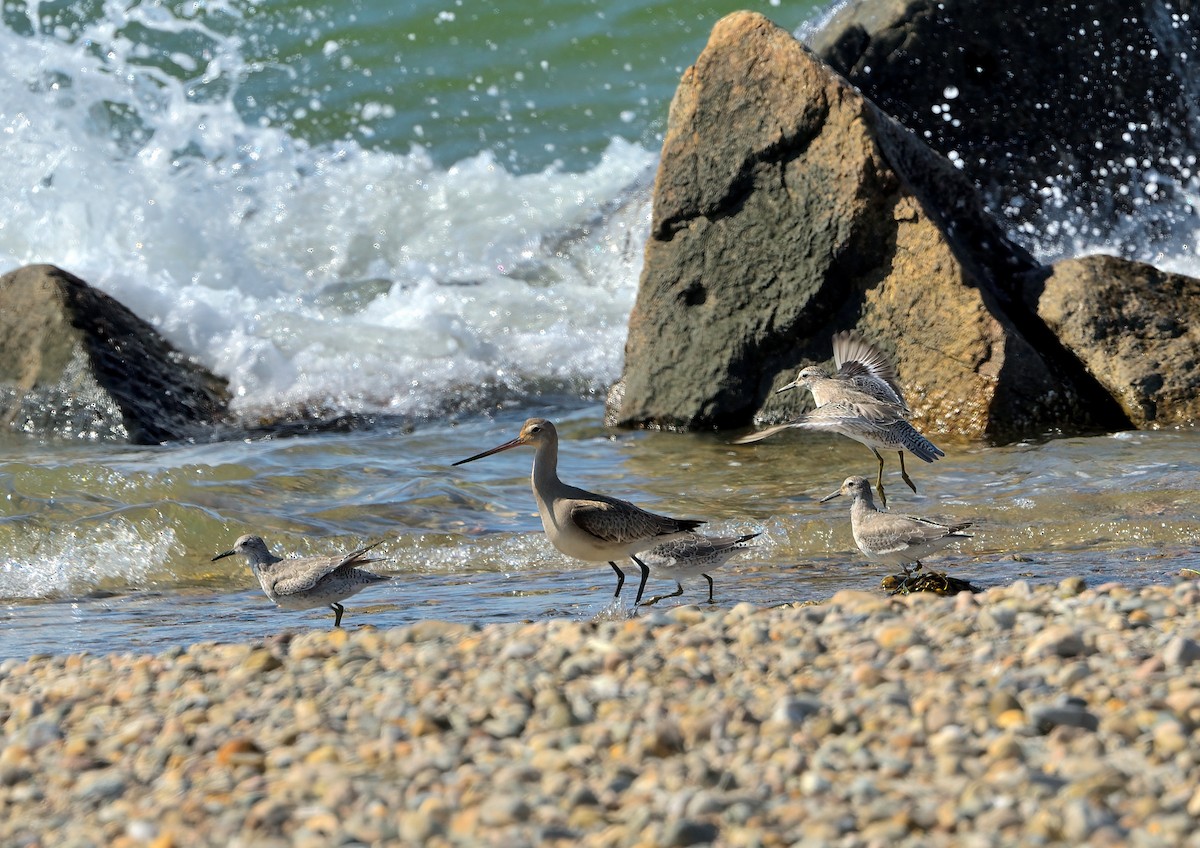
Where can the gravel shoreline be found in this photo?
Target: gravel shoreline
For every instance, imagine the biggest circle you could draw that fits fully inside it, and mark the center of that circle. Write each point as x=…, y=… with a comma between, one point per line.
x=1018, y=716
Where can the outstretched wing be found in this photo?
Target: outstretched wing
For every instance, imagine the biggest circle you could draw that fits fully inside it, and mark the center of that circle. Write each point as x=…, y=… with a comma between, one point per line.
x=867, y=368
x=750, y=438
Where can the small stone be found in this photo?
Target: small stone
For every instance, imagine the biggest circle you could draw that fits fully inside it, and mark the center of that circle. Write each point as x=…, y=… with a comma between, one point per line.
x=858, y=601
x=791, y=711
x=684, y=832
x=1080, y=818
x=1140, y=618
x=1058, y=640
x=1071, y=586
x=1046, y=719
x=1000, y=616
x=1193, y=805
x=1181, y=652
x=100, y=786
x=1005, y=747
x=1001, y=702
x=1010, y=719
x=501, y=810
x=813, y=783
x=241, y=751
x=892, y=637
x=260, y=661
x=1170, y=738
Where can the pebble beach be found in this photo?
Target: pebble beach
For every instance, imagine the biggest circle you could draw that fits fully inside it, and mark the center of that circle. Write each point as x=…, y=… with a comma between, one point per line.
x=1023, y=715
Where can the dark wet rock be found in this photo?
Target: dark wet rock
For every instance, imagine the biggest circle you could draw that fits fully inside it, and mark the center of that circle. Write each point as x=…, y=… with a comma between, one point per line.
x=76, y=363
x=1133, y=327
x=788, y=207
x=1043, y=104
x=1067, y=714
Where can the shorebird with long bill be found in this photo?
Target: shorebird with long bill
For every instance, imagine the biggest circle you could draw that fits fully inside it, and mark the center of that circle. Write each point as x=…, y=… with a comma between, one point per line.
x=582, y=524
x=300, y=583
x=861, y=400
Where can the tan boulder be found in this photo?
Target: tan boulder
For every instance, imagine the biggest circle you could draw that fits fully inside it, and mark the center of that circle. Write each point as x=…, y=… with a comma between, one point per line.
x=1134, y=329
x=788, y=207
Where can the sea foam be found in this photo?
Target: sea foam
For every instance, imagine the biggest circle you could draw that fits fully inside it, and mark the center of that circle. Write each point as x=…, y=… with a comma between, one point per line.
x=328, y=277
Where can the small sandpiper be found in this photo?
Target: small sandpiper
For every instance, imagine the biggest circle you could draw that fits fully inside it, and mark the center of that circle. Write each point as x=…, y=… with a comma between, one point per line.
x=695, y=553
x=862, y=400
x=306, y=582
x=891, y=538
x=582, y=524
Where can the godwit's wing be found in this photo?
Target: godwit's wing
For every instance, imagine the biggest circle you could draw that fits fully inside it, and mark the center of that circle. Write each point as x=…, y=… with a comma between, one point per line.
x=619, y=522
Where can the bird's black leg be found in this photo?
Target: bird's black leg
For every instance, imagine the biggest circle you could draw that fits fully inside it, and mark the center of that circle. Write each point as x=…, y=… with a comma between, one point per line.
x=879, y=482
x=678, y=591
x=709, y=579
x=620, y=578
x=338, y=609
x=645, y=576
x=904, y=473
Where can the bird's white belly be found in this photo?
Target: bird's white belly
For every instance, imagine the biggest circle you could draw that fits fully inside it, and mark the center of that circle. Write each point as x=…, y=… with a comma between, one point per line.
x=571, y=540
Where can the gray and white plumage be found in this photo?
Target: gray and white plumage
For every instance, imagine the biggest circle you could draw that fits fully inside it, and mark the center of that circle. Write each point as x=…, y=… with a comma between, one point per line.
x=690, y=555
x=585, y=525
x=300, y=583
x=890, y=538
x=863, y=401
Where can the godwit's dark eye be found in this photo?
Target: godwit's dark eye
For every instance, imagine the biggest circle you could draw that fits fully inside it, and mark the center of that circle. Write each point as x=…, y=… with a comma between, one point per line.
x=535, y=429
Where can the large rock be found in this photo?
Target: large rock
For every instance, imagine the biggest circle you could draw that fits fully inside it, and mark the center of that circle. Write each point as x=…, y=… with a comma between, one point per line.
x=75, y=363
x=1087, y=107
x=1134, y=328
x=788, y=207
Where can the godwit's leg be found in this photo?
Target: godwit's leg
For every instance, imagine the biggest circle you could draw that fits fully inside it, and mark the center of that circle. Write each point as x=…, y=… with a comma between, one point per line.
x=338, y=609
x=904, y=473
x=645, y=576
x=709, y=579
x=678, y=591
x=620, y=579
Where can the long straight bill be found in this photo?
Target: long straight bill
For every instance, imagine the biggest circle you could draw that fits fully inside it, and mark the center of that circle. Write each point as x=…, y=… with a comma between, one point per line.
x=515, y=443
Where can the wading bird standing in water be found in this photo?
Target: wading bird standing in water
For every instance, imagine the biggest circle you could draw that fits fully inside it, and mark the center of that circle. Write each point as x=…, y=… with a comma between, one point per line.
x=582, y=524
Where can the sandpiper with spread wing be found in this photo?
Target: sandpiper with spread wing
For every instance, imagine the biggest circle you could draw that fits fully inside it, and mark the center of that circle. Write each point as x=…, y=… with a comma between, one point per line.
x=861, y=400
x=582, y=524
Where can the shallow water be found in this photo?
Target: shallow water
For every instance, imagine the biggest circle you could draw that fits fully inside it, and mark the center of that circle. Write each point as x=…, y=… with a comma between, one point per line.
x=402, y=209
x=109, y=548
